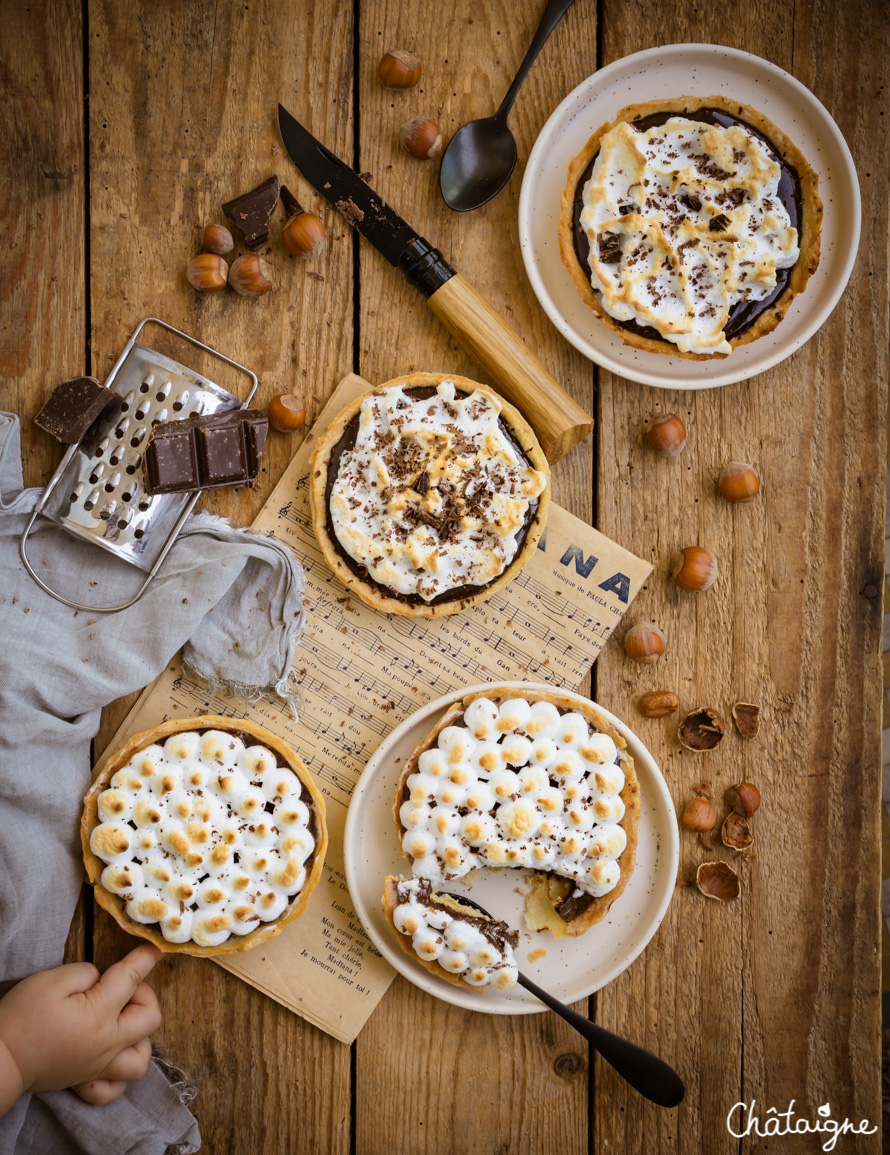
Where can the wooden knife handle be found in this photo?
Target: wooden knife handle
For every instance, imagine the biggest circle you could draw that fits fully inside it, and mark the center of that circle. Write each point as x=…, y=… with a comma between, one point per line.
x=556, y=419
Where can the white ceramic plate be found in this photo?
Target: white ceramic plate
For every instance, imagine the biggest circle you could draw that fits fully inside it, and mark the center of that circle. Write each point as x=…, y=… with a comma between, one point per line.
x=688, y=70
x=573, y=967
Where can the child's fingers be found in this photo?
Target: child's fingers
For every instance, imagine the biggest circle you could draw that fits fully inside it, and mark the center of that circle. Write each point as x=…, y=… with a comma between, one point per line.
x=140, y=1017
x=78, y=977
x=100, y=1091
x=121, y=980
x=131, y=1064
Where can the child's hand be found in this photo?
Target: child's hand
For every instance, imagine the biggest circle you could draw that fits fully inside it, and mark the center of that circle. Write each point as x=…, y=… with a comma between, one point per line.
x=69, y=1027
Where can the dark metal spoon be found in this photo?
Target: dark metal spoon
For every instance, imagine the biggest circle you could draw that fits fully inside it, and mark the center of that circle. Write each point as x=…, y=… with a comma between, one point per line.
x=645, y=1072
x=481, y=156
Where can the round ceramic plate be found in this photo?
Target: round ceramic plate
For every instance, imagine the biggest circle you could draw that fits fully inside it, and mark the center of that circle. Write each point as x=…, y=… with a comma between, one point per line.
x=572, y=967
x=688, y=70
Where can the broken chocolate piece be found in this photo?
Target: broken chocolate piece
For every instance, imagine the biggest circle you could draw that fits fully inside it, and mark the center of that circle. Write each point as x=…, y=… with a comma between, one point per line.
x=205, y=452
x=691, y=201
x=422, y=484
x=610, y=248
x=628, y=208
x=72, y=407
x=718, y=223
x=292, y=207
x=251, y=212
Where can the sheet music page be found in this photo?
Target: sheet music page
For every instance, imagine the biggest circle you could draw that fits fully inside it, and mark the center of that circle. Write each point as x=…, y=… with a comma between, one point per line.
x=360, y=673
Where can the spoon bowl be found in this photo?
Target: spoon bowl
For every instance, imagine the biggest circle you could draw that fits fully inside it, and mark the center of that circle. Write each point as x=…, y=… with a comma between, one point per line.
x=482, y=155
x=477, y=163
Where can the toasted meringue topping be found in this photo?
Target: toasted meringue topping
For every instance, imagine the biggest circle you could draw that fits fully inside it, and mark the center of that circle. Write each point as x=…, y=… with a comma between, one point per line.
x=559, y=809
x=433, y=495
x=684, y=221
x=458, y=945
x=216, y=845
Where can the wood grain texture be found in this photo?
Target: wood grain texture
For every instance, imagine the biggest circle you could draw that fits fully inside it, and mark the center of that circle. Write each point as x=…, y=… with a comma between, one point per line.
x=772, y=998
x=182, y=118
x=526, y=1089
x=775, y=997
x=42, y=263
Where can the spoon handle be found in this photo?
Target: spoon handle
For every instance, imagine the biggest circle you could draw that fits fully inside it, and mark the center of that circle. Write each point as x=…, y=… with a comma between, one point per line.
x=644, y=1071
x=553, y=13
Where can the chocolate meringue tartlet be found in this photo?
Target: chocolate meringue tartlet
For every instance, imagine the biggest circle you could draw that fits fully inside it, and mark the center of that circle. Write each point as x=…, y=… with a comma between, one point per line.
x=204, y=835
x=451, y=938
x=525, y=779
x=428, y=494
x=689, y=225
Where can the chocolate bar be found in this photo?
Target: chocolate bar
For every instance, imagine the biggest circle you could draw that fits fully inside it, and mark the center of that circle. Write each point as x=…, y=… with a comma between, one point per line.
x=205, y=452
x=251, y=212
x=72, y=407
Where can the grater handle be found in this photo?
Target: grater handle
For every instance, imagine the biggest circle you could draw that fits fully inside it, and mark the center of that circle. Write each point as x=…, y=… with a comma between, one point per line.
x=192, y=341
x=79, y=605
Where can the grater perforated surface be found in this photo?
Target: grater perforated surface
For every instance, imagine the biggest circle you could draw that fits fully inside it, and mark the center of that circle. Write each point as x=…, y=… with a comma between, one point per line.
x=101, y=494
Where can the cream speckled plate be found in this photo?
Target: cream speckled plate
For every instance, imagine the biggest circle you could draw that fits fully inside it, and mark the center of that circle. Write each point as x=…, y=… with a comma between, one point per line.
x=688, y=70
x=572, y=968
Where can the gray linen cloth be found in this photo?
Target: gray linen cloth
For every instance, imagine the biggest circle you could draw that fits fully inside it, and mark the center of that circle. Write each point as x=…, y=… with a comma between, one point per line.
x=233, y=600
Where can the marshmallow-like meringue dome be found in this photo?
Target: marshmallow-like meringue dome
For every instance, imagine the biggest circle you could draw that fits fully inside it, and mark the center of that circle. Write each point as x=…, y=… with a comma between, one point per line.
x=204, y=836
x=538, y=787
x=457, y=943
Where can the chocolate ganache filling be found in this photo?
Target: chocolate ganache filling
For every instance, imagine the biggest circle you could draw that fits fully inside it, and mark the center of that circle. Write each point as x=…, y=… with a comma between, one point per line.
x=743, y=314
x=347, y=442
x=497, y=933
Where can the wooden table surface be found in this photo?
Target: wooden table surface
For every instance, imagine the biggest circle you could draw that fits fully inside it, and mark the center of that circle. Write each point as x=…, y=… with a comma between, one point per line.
x=123, y=128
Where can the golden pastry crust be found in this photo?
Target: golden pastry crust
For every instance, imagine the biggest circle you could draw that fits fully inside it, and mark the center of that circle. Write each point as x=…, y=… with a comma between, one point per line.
x=810, y=222
x=548, y=890
x=391, y=901
x=368, y=592
x=116, y=906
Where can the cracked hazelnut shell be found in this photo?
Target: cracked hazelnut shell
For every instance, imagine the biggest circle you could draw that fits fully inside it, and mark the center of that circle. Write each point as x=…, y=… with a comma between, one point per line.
x=701, y=730
x=718, y=880
x=747, y=719
x=735, y=832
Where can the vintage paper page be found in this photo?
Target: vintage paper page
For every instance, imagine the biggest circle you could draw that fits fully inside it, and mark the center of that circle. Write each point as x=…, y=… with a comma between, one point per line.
x=360, y=672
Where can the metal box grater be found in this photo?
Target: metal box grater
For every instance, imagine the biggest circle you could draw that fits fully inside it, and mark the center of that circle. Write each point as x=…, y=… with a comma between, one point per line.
x=98, y=491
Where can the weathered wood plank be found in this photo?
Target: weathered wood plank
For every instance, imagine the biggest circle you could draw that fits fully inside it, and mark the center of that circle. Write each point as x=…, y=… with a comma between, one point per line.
x=526, y=1088
x=183, y=117
x=42, y=261
x=776, y=997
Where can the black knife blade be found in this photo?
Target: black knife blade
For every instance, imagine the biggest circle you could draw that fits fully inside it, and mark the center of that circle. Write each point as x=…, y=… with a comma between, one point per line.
x=365, y=210
x=557, y=420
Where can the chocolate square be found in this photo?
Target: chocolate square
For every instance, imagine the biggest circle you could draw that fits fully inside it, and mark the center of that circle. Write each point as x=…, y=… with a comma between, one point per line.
x=72, y=407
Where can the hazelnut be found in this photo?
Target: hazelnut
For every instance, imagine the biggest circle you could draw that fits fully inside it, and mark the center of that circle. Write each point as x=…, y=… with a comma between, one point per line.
x=666, y=435
x=207, y=272
x=744, y=798
x=303, y=235
x=420, y=138
x=699, y=815
x=399, y=69
x=738, y=482
x=735, y=832
x=718, y=880
x=658, y=703
x=286, y=413
x=644, y=642
x=250, y=275
x=696, y=570
x=747, y=719
x=701, y=730
x=217, y=239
